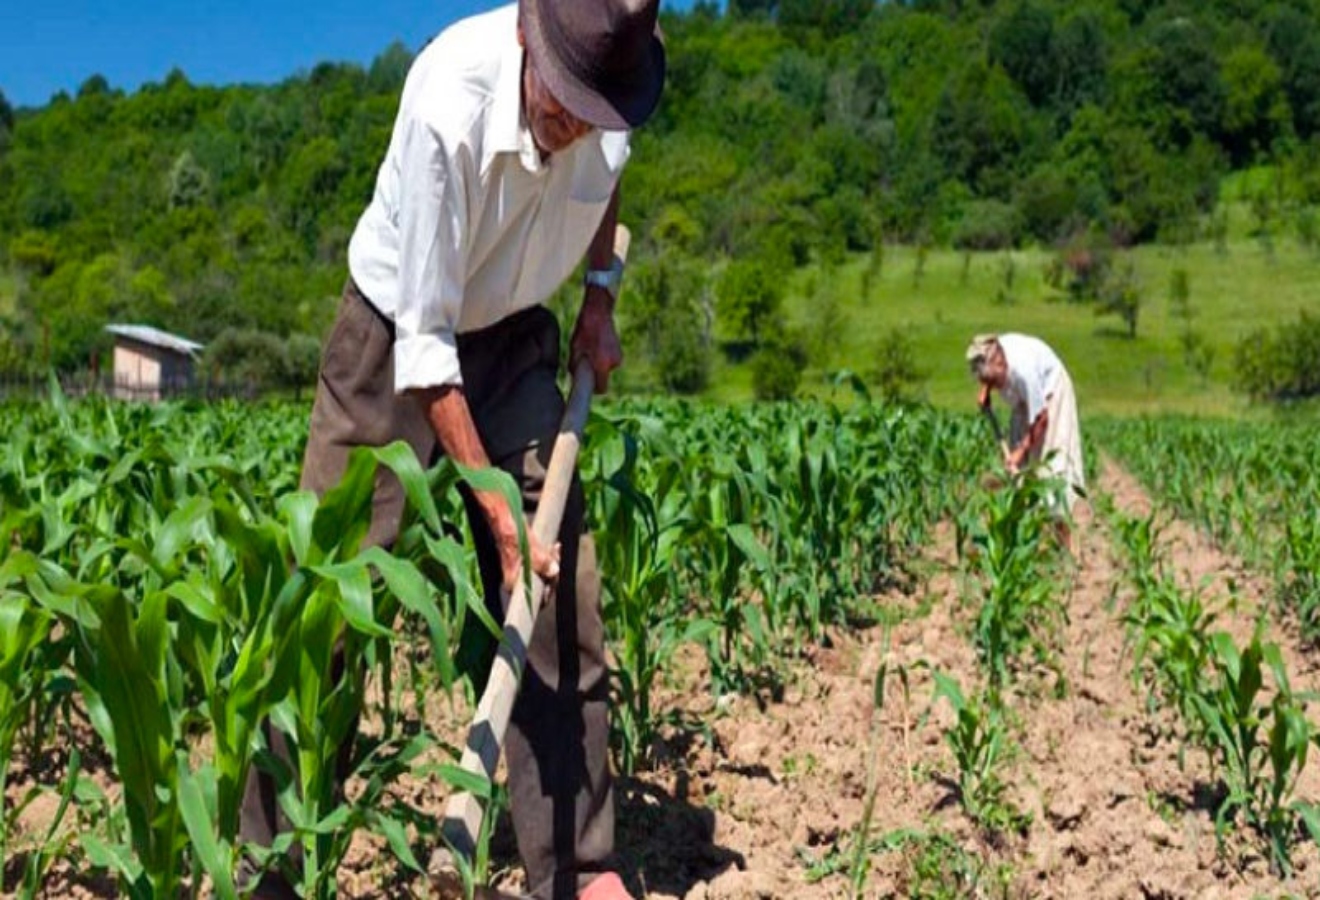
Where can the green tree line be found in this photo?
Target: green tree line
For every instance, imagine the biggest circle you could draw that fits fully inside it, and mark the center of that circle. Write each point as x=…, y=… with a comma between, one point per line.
x=791, y=133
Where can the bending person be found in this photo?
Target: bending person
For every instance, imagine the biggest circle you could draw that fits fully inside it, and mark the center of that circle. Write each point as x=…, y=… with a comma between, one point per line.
x=1034, y=384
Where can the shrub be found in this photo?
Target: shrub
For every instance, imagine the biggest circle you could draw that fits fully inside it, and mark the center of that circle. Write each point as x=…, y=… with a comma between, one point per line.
x=777, y=368
x=897, y=373
x=1282, y=365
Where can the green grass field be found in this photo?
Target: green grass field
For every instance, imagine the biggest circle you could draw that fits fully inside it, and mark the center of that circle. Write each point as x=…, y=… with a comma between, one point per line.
x=1231, y=293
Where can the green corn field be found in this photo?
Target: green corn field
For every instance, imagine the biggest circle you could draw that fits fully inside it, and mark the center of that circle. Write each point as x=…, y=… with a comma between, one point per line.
x=166, y=589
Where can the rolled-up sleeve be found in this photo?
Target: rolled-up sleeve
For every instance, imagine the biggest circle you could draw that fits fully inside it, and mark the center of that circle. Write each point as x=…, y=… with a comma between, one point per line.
x=432, y=233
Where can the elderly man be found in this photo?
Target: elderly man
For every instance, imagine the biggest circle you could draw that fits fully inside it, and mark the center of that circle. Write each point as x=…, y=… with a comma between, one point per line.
x=501, y=175
x=1035, y=385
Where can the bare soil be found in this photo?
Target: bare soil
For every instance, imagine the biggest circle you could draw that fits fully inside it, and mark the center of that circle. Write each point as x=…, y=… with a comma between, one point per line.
x=766, y=799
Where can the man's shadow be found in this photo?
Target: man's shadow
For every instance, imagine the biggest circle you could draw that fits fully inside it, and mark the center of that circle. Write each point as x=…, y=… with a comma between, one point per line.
x=664, y=843
x=667, y=844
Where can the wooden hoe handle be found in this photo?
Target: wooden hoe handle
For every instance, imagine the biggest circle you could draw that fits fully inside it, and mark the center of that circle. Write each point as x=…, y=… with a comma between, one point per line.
x=481, y=755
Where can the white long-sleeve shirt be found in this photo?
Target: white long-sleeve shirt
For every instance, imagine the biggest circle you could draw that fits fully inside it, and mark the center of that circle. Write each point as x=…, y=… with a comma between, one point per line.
x=1033, y=372
x=468, y=225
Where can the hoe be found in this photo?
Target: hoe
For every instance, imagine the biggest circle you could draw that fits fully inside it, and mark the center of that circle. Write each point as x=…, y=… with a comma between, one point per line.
x=481, y=754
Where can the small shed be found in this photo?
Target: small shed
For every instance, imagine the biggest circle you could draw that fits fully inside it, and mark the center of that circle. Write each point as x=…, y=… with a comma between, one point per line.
x=150, y=363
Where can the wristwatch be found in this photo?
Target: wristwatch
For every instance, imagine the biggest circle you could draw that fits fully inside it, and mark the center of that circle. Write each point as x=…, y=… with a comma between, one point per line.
x=609, y=279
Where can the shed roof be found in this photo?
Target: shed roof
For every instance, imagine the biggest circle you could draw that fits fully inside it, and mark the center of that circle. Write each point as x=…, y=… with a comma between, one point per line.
x=155, y=337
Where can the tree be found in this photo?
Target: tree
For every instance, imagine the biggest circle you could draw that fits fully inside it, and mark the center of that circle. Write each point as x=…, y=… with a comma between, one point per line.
x=1081, y=52
x=896, y=372
x=34, y=252
x=1049, y=205
x=749, y=293
x=301, y=362
x=1120, y=295
x=94, y=86
x=310, y=180
x=1293, y=41
x=189, y=184
x=1175, y=87
x=752, y=8
x=832, y=17
x=683, y=354
x=44, y=203
x=1022, y=42
x=987, y=225
x=255, y=359
x=979, y=129
x=1256, y=110
x=389, y=69
x=665, y=315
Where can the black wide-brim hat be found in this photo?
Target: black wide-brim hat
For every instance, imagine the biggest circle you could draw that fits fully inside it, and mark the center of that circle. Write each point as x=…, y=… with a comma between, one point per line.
x=602, y=59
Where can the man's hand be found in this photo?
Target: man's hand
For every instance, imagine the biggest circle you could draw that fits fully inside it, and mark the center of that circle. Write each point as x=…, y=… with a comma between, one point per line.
x=983, y=399
x=1013, y=461
x=545, y=561
x=595, y=337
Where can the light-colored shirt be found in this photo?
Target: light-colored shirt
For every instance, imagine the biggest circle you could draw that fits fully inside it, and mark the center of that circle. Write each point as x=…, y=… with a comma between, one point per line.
x=468, y=224
x=1033, y=372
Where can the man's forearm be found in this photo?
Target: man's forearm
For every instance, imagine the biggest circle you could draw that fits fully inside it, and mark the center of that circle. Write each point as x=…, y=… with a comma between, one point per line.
x=600, y=254
x=1035, y=435
x=446, y=409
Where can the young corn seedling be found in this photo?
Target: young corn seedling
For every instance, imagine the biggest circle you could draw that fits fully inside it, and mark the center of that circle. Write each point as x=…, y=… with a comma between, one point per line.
x=1139, y=536
x=1299, y=578
x=638, y=554
x=1170, y=633
x=981, y=745
x=1019, y=614
x=731, y=555
x=1258, y=748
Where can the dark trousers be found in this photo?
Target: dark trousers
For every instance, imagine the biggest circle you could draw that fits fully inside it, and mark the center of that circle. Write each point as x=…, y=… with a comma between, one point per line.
x=558, y=739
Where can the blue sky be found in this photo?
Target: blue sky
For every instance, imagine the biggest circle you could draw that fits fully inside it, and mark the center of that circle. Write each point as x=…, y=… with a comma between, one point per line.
x=52, y=45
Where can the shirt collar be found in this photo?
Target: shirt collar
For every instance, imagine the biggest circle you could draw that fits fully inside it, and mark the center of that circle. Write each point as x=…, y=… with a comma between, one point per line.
x=506, y=130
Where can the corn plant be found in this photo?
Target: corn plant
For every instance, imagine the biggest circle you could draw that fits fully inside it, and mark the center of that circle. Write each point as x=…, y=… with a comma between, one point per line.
x=730, y=552
x=1170, y=633
x=332, y=604
x=53, y=845
x=1258, y=747
x=170, y=546
x=197, y=620
x=1019, y=614
x=637, y=559
x=23, y=628
x=981, y=746
x=1299, y=579
x=1139, y=537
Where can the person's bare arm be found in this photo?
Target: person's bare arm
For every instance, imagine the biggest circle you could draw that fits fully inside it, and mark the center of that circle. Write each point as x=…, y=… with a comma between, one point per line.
x=594, y=334
x=447, y=410
x=1034, y=437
